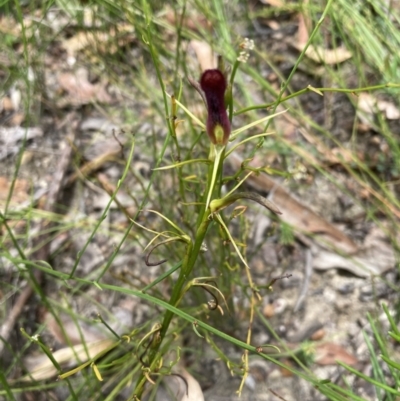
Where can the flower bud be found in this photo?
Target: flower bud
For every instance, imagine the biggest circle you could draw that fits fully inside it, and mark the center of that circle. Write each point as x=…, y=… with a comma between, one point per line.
x=213, y=84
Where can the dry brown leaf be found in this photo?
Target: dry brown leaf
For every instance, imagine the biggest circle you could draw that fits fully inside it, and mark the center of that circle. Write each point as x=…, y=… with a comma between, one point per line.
x=391, y=111
x=331, y=248
x=80, y=91
x=9, y=26
x=318, y=53
x=368, y=106
x=194, y=392
x=318, y=335
x=16, y=119
x=325, y=56
x=109, y=42
x=42, y=368
x=303, y=219
x=79, y=41
x=329, y=353
x=95, y=341
x=274, y=3
x=274, y=25
x=269, y=310
x=180, y=387
x=20, y=193
x=6, y=104
x=286, y=125
x=376, y=257
x=304, y=26
x=76, y=335
x=341, y=155
x=192, y=20
x=204, y=54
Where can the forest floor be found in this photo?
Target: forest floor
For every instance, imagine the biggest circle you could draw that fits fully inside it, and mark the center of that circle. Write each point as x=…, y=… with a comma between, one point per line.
x=82, y=126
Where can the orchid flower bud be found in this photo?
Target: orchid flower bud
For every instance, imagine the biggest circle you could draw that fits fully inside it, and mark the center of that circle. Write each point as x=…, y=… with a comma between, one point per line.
x=213, y=84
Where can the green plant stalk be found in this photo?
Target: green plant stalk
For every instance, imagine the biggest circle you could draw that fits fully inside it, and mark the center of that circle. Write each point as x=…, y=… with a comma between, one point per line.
x=123, y=382
x=368, y=379
x=326, y=386
x=27, y=61
x=189, y=261
x=104, y=214
x=162, y=277
x=309, y=88
x=6, y=387
x=192, y=253
x=49, y=354
x=299, y=59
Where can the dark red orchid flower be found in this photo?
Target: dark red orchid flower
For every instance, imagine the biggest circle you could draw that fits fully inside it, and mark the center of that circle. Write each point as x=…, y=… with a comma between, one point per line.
x=213, y=84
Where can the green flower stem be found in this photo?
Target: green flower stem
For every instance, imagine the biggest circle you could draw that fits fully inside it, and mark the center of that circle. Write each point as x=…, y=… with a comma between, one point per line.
x=192, y=253
x=219, y=151
x=230, y=86
x=310, y=88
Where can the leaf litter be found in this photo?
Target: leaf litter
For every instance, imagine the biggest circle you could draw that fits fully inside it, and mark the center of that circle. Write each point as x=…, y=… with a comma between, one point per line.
x=330, y=244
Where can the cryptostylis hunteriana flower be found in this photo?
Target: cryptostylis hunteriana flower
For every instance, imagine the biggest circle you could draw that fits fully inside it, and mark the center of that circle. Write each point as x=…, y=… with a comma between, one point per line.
x=213, y=84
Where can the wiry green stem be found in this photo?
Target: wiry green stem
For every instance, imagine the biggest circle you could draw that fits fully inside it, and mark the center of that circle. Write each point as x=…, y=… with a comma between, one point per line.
x=311, y=89
x=192, y=253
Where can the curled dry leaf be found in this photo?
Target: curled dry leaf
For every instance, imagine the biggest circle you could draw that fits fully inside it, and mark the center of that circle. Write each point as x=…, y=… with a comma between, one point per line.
x=95, y=341
x=318, y=335
x=192, y=20
x=325, y=56
x=368, y=105
x=42, y=368
x=9, y=26
x=375, y=257
x=181, y=386
x=274, y=3
x=20, y=193
x=318, y=53
x=204, y=54
x=194, y=392
x=80, y=91
x=76, y=335
x=329, y=353
x=109, y=42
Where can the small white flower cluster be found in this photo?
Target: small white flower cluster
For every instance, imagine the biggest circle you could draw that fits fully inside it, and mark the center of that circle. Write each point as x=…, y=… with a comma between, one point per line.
x=243, y=57
x=246, y=45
